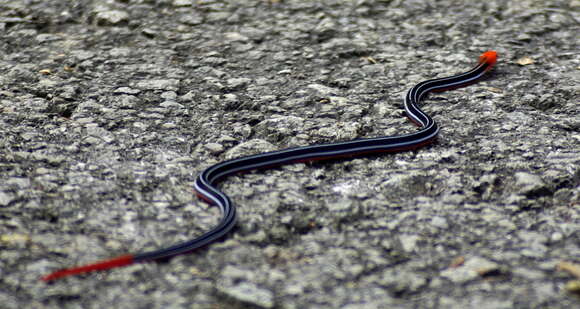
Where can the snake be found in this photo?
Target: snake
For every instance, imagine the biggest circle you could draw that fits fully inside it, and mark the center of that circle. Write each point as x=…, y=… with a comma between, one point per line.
x=206, y=184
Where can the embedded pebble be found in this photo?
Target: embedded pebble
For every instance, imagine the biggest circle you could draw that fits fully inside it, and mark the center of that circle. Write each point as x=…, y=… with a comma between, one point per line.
x=6, y=198
x=249, y=293
x=111, y=17
x=238, y=82
x=158, y=84
x=439, y=222
x=323, y=90
x=471, y=269
x=409, y=242
x=527, y=183
x=214, y=148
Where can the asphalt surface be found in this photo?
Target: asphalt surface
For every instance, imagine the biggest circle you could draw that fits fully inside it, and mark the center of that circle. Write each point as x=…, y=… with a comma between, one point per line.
x=109, y=110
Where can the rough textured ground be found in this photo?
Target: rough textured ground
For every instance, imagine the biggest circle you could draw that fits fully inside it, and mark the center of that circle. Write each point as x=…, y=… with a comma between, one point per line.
x=109, y=109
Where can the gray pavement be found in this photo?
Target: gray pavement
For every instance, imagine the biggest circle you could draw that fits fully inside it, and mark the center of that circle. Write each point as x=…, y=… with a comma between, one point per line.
x=109, y=110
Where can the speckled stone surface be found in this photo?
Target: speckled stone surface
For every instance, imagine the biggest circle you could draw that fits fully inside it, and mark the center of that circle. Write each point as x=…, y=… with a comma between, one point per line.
x=109, y=109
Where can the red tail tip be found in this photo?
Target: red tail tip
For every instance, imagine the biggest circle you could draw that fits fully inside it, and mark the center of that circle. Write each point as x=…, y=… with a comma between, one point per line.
x=120, y=261
x=489, y=57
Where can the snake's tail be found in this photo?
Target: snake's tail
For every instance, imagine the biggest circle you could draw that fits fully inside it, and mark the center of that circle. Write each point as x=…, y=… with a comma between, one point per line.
x=120, y=261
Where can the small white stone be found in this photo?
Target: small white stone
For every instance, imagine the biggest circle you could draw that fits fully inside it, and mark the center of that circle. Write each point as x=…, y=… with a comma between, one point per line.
x=214, y=148
x=182, y=2
x=409, y=242
x=249, y=293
